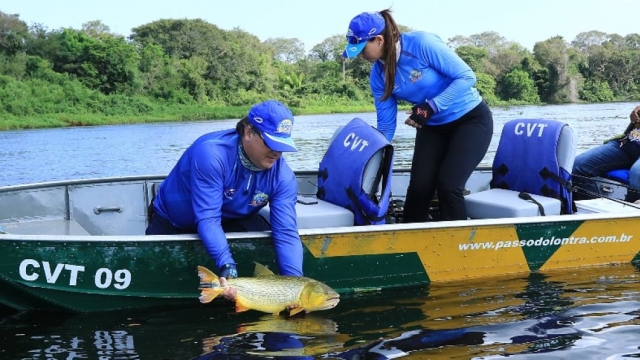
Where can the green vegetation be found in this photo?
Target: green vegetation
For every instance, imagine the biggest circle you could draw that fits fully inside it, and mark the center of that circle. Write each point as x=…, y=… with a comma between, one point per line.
x=188, y=69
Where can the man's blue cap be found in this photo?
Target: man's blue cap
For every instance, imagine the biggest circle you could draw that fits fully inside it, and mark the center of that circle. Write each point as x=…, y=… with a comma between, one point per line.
x=275, y=122
x=362, y=28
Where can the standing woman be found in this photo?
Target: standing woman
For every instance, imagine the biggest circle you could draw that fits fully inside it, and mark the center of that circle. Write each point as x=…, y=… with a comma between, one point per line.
x=453, y=125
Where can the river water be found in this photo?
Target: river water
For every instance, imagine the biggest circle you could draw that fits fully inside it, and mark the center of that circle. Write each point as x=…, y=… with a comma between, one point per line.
x=586, y=313
x=28, y=156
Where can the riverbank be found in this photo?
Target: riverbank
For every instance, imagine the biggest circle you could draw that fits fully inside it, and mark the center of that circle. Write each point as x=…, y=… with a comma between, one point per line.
x=37, y=104
x=191, y=113
x=174, y=113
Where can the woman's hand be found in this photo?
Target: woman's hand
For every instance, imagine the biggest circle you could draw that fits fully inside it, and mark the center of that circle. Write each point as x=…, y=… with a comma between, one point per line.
x=411, y=122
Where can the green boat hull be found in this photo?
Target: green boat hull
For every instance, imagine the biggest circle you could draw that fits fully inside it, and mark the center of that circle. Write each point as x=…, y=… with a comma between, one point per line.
x=79, y=246
x=97, y=275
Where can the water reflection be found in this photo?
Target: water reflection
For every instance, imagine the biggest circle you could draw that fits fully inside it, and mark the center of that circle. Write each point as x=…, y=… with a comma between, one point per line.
x=272, y=344
x=113, y=344
x=543, y=335
x=592, y=313
x=300, y=337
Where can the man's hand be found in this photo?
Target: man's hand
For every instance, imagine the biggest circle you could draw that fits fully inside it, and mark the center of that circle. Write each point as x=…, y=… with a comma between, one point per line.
x=229, y=293
x=635, y=115
x=228, y=271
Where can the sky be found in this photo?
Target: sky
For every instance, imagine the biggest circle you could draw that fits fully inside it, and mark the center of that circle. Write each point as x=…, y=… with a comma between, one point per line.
x=525, y=22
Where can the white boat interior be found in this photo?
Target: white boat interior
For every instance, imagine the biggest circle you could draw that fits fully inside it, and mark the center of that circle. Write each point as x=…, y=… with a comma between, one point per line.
x=118, y=206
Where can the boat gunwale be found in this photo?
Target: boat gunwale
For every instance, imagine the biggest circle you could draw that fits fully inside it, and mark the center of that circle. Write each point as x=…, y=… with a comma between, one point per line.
x=309, y=232
x=346, y=230
x=110, y=179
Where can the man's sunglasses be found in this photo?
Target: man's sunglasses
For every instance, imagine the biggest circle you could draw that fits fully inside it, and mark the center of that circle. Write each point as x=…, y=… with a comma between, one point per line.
x=259, y=133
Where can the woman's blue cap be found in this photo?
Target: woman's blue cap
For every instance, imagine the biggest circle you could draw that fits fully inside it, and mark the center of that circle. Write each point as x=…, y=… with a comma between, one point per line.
x=362, y=28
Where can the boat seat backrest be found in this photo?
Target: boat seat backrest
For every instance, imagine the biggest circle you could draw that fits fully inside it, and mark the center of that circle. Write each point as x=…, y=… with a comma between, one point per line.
x=355, y=172
x=567, y=148
x=369, y=183
x=536, y=156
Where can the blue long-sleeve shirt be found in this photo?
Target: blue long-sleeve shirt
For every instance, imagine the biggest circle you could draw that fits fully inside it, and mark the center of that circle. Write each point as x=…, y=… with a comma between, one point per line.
x=427, y=69
x=209, y=184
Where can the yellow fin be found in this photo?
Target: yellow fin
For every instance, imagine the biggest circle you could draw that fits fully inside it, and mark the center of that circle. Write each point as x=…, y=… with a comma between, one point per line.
x=240, y=307
x=295, y=311
x=261, y=270
x=206, y=295
x=207, y=277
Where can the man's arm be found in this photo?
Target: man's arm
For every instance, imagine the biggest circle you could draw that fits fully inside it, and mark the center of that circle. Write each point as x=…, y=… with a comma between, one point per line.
x=207, y=180
x=284, y=227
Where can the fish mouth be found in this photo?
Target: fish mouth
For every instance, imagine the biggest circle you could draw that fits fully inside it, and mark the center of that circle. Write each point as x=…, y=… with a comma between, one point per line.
x=332, y=302
x=329, y=303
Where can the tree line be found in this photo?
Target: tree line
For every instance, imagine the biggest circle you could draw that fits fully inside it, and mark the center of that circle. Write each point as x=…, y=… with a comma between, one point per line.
x=192, y=69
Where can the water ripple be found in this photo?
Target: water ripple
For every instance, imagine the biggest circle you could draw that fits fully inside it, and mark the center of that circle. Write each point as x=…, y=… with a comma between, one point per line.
x=28, y=156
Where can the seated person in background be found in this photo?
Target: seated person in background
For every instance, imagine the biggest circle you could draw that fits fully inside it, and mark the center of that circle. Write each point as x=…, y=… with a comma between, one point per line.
x=622, y=152
x=221, y=182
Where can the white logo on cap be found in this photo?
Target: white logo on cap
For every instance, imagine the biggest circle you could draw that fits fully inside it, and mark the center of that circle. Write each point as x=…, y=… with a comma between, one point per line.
x=285, y=126
x=258, y=119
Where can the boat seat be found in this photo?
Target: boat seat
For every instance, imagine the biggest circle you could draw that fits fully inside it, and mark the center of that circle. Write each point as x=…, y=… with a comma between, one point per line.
x=312, y=212
x=501, y=203
x=370, y=173
x=45, y=227
x=355, y=172
x=525, y=191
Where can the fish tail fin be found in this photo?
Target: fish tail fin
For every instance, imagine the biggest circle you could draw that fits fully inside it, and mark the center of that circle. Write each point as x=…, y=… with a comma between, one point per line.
x=207, y=277
x=207, y=295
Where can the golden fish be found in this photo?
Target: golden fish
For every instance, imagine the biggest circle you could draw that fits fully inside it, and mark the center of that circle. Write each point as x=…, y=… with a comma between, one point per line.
x=270, y=293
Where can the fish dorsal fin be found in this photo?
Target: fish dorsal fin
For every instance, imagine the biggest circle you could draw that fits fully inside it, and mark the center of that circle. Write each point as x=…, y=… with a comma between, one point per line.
x=261, y=270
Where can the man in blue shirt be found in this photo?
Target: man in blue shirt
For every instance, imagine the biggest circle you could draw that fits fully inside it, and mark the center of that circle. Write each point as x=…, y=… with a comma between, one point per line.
x=224, y=178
